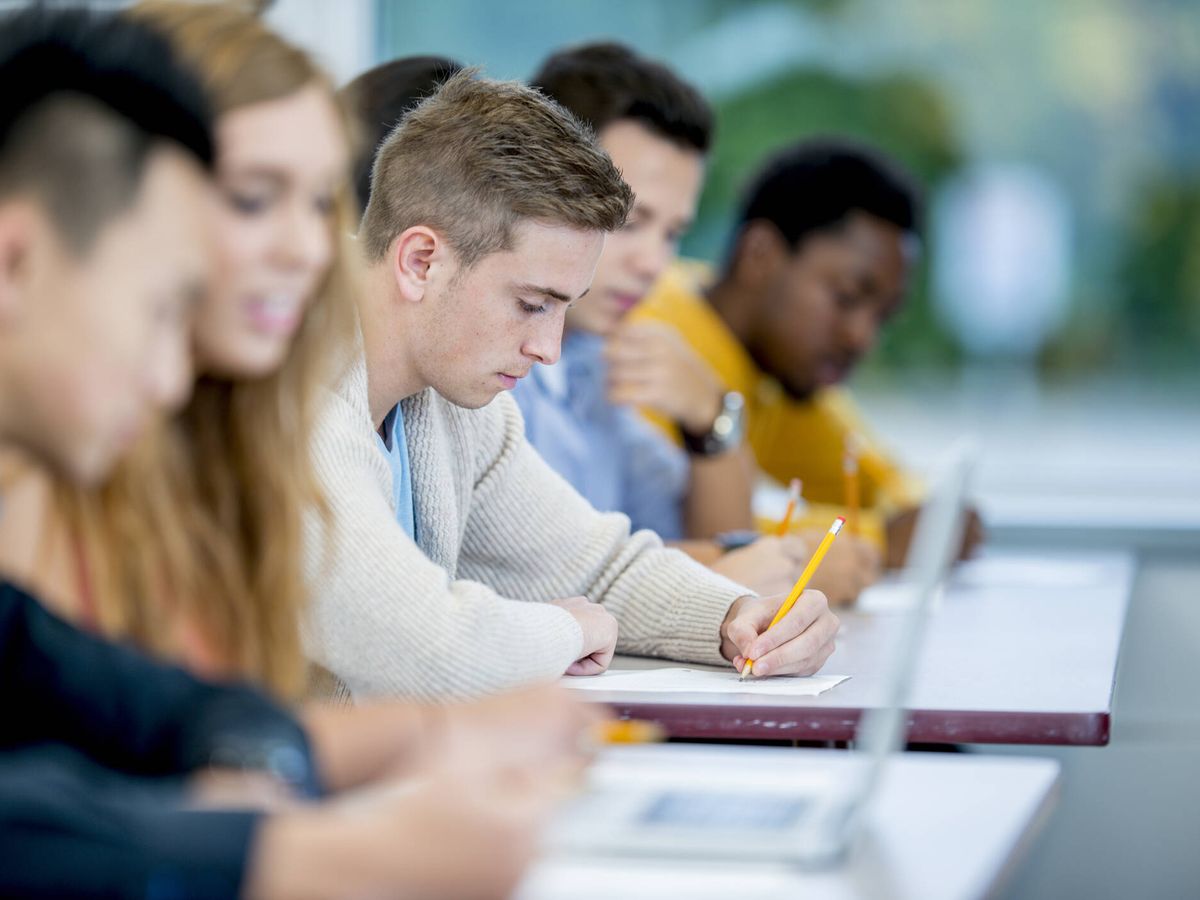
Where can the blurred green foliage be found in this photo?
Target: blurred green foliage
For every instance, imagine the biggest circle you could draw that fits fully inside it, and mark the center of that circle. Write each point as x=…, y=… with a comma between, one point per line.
x=1159, y=276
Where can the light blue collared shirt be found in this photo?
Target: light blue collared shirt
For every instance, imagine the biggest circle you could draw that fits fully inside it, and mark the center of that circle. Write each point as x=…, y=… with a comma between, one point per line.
x=394, y=446
x=610, y=454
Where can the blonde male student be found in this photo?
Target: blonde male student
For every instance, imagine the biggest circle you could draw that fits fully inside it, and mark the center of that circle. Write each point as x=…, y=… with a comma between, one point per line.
x=656, y=129
x=463, y=563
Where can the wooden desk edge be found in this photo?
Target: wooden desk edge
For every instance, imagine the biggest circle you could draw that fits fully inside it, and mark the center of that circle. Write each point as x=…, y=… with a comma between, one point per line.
x=833, y=724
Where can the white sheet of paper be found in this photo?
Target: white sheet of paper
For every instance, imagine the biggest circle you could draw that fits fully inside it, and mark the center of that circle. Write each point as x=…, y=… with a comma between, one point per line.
x=701, y=681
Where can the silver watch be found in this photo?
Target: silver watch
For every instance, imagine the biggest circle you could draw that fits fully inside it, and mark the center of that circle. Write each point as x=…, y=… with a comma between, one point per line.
x=727, y=429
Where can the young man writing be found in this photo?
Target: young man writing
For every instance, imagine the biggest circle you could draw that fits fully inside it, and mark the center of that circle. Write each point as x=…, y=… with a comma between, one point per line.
x=828, y=233
x=462, y=562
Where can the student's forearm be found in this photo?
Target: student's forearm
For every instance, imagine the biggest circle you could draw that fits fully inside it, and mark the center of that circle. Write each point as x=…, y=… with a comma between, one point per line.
x=355, y=745
x=302, y=854
x=720, y=494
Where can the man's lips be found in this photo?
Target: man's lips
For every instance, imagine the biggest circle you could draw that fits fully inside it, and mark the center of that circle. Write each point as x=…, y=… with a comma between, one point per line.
x=510, y=381
x=626, y=301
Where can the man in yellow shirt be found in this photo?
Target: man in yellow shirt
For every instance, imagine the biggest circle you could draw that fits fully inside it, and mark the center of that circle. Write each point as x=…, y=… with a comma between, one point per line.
x=826, y=239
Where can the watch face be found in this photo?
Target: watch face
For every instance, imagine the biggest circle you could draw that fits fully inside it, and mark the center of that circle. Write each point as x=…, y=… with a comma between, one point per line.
x=726, y=431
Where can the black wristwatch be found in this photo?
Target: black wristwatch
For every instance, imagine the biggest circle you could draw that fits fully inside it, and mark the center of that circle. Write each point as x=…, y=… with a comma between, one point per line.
x=726, y=432
x=280, y=757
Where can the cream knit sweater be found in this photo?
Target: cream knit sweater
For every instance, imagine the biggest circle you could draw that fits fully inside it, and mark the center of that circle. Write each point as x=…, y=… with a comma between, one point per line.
x=499, y=533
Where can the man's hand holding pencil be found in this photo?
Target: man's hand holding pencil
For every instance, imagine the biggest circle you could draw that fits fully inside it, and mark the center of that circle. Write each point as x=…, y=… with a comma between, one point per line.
x=762, y=636
x=799, y=644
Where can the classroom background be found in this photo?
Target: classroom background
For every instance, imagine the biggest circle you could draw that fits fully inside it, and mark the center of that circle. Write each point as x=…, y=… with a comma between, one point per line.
x=1056, y=316
x=1057, y=309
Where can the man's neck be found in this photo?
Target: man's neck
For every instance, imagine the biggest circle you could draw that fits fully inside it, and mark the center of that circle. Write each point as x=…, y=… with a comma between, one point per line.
x=390, y=374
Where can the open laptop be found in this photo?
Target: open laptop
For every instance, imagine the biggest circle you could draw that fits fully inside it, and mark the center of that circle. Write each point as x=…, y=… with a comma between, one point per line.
x=634, y=806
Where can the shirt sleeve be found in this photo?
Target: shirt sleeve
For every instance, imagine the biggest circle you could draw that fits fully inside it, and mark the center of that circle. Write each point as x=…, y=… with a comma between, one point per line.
x=70, y=828
x=118, y=707
x=656, y=473
x=532, y=536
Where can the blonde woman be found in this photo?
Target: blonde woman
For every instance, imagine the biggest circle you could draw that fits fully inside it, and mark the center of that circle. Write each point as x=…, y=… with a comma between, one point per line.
x=192, y=548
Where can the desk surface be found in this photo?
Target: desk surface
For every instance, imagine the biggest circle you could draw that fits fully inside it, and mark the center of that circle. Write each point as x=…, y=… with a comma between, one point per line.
x=1021, y=650
x=943, y=827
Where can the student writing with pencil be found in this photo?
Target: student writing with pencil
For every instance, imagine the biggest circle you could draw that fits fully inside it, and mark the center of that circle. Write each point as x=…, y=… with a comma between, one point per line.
x=825, y=245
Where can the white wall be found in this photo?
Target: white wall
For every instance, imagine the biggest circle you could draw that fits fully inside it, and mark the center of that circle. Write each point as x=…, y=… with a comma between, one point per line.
x=339, y=33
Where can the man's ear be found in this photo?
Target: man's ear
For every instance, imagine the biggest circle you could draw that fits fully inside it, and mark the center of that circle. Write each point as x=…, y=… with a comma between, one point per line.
x=414, y=255
x=759, y=252
x=19, y=225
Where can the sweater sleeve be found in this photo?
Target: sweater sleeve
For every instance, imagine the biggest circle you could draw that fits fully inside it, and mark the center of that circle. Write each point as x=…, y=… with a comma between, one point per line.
x=533, y=537
x=385, y=618
x=118, y=707
x=69, y=828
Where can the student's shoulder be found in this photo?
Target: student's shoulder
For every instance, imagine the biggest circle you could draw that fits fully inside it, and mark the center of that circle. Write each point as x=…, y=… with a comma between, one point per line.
x=348, y=396
x=344, y=437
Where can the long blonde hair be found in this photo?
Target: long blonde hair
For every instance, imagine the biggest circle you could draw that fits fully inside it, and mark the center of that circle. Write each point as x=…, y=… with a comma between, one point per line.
x=205, y=520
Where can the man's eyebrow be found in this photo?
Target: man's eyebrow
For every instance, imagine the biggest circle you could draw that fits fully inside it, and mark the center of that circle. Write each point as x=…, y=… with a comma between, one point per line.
x=546, y=292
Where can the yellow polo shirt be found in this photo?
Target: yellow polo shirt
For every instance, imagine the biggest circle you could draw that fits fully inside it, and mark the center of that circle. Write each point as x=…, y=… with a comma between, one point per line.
x=790, y=439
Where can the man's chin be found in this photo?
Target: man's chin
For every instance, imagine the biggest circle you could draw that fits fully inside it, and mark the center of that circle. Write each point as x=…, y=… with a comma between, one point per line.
x=800, y=393
x=470, y=399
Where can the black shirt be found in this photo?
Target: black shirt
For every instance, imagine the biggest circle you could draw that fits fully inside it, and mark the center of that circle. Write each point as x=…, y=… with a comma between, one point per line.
x=94, y=740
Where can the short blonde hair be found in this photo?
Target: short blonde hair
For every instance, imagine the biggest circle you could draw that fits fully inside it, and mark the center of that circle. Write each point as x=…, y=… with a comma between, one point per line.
x=480, y=156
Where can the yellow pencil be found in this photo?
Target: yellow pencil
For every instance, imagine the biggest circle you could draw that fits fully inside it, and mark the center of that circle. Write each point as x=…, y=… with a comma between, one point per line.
x=851, y=481
x=793, y=499
x=801, y=583
x=628, y=731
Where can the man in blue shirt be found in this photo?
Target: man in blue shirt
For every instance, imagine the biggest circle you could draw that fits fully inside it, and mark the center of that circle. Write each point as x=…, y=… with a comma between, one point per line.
x=580, y=414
